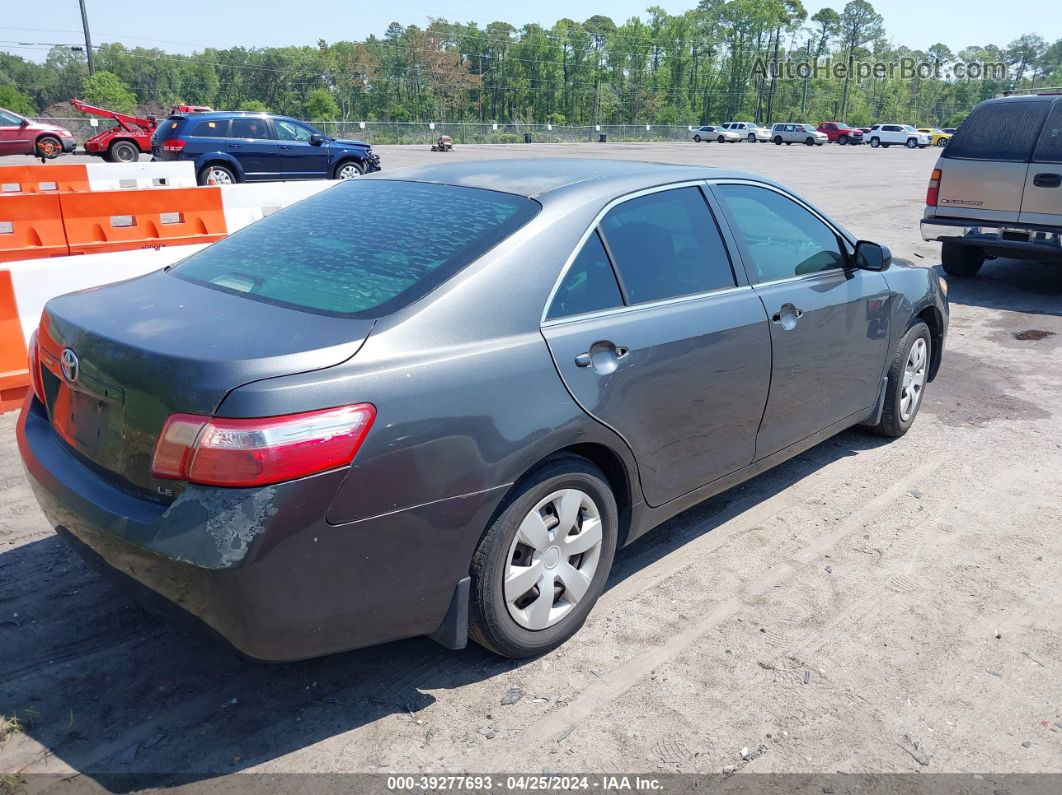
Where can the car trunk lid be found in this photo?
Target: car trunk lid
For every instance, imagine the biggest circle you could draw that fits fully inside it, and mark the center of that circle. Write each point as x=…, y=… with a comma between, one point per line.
x=116, y=362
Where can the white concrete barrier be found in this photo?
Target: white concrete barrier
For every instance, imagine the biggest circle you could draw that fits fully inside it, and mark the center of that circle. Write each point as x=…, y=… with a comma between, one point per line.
x=138, y=176
x=246, y=203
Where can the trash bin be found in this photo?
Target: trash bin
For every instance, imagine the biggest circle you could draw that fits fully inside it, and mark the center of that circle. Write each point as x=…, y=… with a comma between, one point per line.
x=527, y=138
x=603, y=138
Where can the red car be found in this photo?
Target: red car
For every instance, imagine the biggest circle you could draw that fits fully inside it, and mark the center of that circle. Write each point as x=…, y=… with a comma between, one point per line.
x=131, y=135
x=20, y=136
x=840, y=133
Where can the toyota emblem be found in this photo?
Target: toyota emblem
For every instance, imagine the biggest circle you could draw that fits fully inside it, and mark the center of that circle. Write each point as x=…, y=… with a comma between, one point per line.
x=69, y=365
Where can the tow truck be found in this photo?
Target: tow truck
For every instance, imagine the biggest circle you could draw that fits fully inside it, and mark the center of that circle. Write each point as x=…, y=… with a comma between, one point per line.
x=125, y=142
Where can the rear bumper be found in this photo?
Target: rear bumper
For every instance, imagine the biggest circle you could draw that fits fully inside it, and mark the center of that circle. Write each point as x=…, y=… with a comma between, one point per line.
x=262, y=567
x=1017, y=240
x=69, y=144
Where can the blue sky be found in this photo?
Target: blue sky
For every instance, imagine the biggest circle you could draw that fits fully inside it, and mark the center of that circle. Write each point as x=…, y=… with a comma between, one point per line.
x=187, y=25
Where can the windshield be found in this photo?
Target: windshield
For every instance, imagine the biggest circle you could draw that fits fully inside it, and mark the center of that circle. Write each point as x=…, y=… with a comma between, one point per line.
x=361, y=249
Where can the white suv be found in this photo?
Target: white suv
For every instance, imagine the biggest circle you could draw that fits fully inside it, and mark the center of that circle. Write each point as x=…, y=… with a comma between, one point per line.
x=901, y=134
x=748, y=130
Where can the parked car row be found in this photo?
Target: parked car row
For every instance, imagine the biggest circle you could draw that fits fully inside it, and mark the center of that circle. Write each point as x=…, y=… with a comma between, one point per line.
x=880, y=135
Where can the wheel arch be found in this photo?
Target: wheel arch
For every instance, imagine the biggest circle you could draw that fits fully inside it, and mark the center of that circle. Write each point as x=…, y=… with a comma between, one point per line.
x=347, y=158
x=220, y=159
x=931, y=316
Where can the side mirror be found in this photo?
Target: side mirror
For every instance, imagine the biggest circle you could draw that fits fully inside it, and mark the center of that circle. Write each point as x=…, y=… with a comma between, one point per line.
x=316, y=139
x=871, y=256
x=23, y=123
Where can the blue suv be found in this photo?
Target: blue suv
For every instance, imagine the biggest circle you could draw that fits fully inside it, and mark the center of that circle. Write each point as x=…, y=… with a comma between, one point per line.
x=232, y=147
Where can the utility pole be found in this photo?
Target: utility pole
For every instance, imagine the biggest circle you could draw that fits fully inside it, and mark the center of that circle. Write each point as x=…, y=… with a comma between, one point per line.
x=88, y=38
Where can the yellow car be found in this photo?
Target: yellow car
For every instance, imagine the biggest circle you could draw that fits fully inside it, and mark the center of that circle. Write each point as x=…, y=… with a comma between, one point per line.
x=937, y=137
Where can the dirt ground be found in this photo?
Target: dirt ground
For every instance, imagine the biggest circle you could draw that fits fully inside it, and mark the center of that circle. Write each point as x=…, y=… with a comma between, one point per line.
x=869, y=606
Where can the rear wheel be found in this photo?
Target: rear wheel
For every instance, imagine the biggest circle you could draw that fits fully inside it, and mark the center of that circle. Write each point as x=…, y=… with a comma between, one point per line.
x=124, y=152
x=215, y=174
x=960, y=260
x=907, y=379
x=49, y=147
x=697, y=139
x=543, y=562
x=875, y=143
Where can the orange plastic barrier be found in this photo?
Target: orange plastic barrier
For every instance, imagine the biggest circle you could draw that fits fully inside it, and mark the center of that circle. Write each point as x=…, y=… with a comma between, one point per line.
x=31, y=226
x=14, y=370
x=121, y=220
x=43, y=179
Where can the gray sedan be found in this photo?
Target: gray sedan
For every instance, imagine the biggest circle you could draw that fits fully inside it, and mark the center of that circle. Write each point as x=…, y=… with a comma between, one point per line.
x=437, y=401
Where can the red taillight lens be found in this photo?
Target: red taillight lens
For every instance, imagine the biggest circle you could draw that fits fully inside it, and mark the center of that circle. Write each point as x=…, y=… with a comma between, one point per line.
x=218, y=451
x=173, y=144
x=933, y=191
x=34, y=354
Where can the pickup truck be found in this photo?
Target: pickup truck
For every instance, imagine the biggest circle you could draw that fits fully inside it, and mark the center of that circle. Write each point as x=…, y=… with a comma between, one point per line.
x=840, y=133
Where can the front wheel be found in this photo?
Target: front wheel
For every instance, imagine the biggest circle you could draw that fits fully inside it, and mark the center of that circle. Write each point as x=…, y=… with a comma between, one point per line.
x=778, y=140
x=842, y=140
x=348, y=170
x=942, y=142
x=911, y=143
x=907, y=378
x=543, y=562
x=49, y=147
x=752, y=138
x=809, y=141
x=721, y=139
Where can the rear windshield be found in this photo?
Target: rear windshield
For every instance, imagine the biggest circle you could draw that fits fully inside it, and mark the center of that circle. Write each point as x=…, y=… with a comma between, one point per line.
x=999, y=131
x=363, y=248
x=166, y=129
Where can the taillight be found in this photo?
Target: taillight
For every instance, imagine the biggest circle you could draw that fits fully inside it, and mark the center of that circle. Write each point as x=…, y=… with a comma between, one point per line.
x=219, y=451
x=933, y=190
x=35, y=367
x=173, y=144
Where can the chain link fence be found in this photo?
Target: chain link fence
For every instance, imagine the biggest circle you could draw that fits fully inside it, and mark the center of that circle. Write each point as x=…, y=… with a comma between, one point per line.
x=386, y=132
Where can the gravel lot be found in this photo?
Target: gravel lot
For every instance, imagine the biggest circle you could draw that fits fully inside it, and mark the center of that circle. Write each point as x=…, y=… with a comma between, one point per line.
x=868, y=606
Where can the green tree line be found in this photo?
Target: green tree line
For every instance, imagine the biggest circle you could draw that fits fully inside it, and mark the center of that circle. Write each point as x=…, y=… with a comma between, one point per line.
x=710, y=63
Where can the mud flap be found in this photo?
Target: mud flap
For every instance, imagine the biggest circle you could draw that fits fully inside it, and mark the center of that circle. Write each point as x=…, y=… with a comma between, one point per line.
x=875, y=419
x=453, y=632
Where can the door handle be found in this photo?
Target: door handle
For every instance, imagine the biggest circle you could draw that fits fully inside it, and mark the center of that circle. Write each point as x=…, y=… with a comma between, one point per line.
x=603, y=357
x=787, y=316
x=285, y=147
x=234, y=146
x=1047, y=180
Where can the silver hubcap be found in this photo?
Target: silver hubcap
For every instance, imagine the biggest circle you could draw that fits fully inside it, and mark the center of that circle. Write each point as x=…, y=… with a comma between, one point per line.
x=220, y=177
x=349, y=172
x=914, y=379
x=553, y=558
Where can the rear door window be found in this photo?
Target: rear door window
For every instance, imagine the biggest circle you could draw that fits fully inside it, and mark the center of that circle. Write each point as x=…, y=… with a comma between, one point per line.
x=589, y=285
x=360, y=249
x=254, y=128
x=1004, y=131
x=1049, y=145
x=783, y=239
x=666, y=244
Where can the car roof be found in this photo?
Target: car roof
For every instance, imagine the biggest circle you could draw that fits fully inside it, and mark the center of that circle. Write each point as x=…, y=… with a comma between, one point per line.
x=543, y=177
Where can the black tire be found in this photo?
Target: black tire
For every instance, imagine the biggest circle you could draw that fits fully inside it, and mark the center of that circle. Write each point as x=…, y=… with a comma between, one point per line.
x=911, y=143
x=490, y=623
x=942, y=142
x=809, y=141
x=885, y=146
x=721, y=139
x=875, y=142
x=752, y=138
x=892, y=424
x=48, y=147
x=123, y=152
x=960, y=260
x=347, y=164
x=204, y=175
x=778, y=140
x=842, y=140
x=697, y=139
